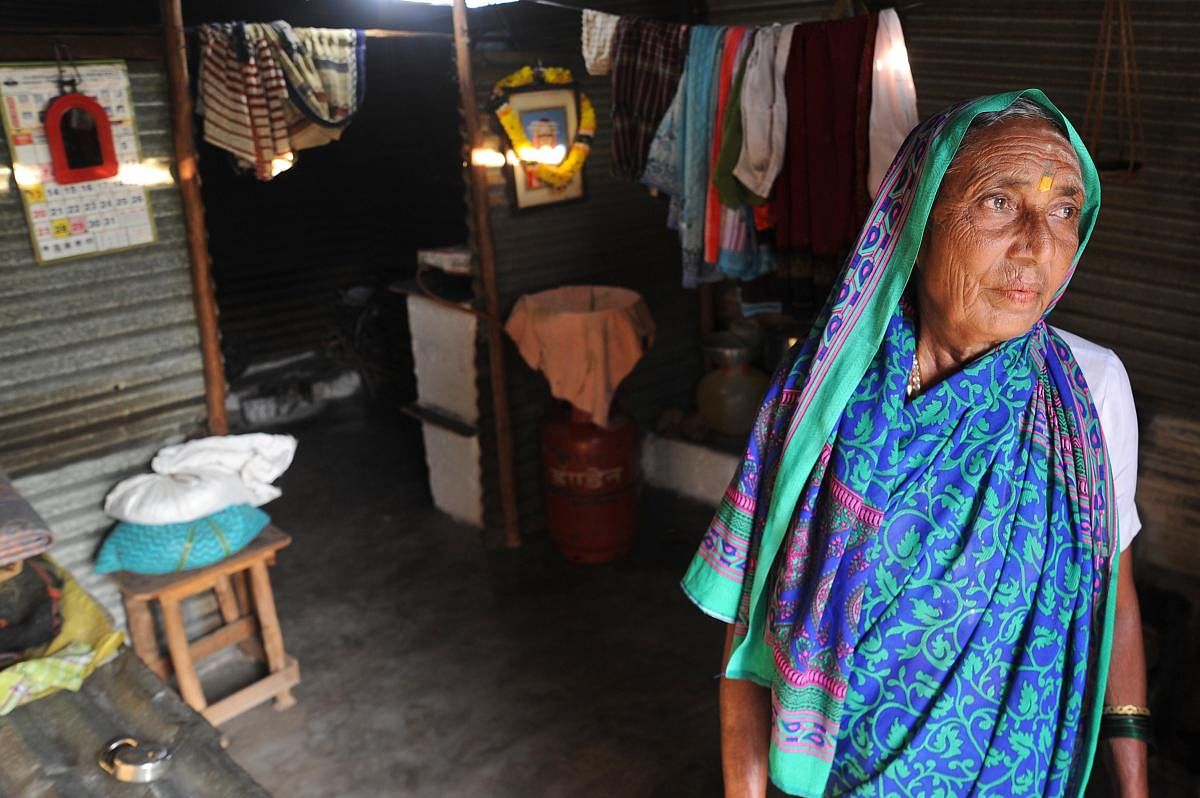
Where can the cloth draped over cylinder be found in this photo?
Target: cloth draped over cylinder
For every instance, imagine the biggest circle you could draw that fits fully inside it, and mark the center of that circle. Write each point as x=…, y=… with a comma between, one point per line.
x=268, y=90
x=926, y=586
x=585, y=339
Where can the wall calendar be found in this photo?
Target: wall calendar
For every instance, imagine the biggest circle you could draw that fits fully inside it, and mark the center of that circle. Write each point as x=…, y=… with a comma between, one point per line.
x=83, y=218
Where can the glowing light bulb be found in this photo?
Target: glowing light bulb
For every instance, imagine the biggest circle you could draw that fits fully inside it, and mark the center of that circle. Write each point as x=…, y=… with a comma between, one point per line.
x=150, y=172
x=280, y=165
x=486, y=156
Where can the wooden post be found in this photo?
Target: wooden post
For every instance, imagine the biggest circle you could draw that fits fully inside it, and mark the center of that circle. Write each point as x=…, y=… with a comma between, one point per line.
x=175, y=56
x=487, y=265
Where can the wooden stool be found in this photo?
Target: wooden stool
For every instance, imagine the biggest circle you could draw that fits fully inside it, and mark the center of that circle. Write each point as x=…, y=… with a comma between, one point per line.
x=243, y=624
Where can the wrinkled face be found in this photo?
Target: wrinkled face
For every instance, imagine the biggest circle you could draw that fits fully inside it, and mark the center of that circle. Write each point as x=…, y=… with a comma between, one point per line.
x=999, y=245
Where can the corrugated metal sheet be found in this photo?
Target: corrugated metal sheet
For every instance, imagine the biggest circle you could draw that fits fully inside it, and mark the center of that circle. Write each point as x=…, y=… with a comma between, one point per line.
x=617, y=235
x=99, y=358
x=1137, y=286
x=50, y=747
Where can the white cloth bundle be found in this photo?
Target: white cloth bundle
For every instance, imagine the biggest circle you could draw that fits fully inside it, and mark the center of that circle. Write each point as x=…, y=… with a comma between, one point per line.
x=198, y=478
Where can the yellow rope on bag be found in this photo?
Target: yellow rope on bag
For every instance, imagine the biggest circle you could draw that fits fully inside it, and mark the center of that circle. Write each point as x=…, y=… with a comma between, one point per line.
x=560, y=174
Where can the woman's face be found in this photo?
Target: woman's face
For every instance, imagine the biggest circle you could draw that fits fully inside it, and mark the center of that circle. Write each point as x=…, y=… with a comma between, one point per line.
x=1003, y=232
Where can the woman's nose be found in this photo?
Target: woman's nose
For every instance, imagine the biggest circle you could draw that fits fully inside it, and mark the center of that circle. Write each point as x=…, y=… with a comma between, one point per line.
x=1034, y=239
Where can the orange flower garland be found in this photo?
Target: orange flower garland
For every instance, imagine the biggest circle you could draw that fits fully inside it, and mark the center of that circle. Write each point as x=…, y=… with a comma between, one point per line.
x=562, y=173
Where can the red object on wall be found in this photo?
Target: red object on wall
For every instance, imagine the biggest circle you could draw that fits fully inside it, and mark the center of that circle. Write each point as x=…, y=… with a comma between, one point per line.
x=592, y=479
x=103, y=165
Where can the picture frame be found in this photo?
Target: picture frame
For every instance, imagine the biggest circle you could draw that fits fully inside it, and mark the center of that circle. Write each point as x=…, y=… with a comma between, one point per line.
x=544, y=113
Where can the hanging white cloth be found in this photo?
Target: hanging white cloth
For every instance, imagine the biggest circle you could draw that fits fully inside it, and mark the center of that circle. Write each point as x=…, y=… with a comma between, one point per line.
x=764, y=110
x=596, y=37
x=893, y=97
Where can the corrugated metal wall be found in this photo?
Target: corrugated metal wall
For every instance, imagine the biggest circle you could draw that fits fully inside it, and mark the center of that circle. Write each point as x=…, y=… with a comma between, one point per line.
x=617, y=235
x=1138, y=287
x=353, y=212
x=1138, y=284
x=99, y=358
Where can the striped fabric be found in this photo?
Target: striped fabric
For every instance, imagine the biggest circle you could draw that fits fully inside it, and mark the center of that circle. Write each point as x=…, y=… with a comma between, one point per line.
x=647, y=61
x=243, y=97
x=324, y=68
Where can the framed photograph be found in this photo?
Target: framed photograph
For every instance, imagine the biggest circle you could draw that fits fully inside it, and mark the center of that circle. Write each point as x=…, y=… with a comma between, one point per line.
x=549, y=118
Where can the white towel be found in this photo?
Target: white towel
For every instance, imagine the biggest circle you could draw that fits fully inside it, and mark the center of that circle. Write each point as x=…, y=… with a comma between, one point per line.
x=596, y=37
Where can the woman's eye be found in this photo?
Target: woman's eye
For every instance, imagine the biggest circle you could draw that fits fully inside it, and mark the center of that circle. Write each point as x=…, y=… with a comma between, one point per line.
x=1067, y=212
x=996, y=203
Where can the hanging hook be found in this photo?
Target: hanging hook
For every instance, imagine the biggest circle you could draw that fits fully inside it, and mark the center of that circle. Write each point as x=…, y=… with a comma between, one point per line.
x=66, y=85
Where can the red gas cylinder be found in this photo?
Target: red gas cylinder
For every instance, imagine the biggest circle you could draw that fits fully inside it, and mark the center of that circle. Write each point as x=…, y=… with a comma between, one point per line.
x=592, y=477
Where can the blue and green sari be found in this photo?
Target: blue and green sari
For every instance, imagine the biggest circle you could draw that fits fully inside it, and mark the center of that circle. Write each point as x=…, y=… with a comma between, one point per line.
x=926, y=586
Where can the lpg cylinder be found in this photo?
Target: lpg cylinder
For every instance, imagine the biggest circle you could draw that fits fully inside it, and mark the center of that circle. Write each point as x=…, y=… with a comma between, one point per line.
x=591, y=477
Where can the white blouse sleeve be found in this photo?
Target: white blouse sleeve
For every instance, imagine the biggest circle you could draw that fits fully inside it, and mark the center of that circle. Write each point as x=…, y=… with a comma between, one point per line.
x=1118, y=421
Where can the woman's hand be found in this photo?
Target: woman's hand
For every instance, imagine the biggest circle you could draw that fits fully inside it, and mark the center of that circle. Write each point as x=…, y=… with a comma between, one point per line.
x=745, y=732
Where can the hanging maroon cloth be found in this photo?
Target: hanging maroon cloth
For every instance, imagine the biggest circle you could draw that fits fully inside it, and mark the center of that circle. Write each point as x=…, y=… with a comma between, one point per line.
x=647, y=62
x=820, y=197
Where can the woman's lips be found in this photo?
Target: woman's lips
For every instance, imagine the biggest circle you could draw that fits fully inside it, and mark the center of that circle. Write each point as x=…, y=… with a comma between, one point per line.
x=1019, y=294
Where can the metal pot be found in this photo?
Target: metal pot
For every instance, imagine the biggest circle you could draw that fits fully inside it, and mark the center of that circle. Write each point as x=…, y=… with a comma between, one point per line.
x=726, y=349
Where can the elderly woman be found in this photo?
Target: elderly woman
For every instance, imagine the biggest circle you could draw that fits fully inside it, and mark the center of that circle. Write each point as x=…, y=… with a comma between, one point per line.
x=918, y=557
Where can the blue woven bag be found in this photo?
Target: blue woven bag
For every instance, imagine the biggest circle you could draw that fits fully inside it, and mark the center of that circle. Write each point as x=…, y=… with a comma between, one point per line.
x=167, y=548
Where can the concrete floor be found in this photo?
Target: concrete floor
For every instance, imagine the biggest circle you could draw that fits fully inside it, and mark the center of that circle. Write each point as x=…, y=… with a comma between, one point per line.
x=434, y=667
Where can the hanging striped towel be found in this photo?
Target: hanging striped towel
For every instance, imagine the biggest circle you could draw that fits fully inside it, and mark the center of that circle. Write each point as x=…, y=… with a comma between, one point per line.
x=243, y=97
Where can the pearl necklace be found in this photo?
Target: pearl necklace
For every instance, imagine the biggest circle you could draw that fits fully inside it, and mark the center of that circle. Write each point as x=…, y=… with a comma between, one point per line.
x=914, y=376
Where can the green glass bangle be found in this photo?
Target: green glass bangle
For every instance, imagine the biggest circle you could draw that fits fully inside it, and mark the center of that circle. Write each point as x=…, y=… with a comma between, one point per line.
x=1136, y=727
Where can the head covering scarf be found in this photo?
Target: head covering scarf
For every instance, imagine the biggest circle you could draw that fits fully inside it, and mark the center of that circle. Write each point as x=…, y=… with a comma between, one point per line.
x=926, y=586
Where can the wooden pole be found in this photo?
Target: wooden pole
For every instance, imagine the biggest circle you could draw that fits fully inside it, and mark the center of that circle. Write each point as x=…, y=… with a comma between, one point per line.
x=175, y=55
x=487, y=266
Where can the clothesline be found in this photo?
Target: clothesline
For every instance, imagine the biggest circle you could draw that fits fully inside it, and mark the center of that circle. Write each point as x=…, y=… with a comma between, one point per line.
x=769, y=139
x=581, y=9
x=378, y=33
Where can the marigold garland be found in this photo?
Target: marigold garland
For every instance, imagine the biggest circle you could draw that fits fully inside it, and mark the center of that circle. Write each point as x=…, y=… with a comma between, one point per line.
x=560, y=174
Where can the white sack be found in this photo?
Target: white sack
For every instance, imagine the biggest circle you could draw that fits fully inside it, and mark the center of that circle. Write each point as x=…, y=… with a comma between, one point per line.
x=203, y=476
x=257, y=458
x=175, y=498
